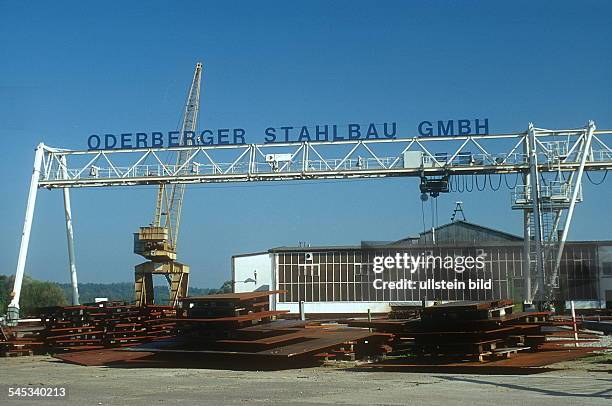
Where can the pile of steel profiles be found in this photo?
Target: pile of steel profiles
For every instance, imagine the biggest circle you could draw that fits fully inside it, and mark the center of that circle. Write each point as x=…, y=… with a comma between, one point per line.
x=476, y=331
x=239, y=328
x=524, y=363
x=104, y=325
x=129, y=325
x=594, y=314
x=225, y=310
x=403, y=312
x=73, y=327
x=242, y=323
x=598, y=325
x=596, y=319
x=157, y=321
x=283, y=344
x=23, y=339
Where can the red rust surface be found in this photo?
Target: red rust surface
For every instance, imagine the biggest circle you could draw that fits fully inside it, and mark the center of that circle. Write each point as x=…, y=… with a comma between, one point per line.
x=522, y=363
x=246, y=317
x=232, y=296
x=101, y=357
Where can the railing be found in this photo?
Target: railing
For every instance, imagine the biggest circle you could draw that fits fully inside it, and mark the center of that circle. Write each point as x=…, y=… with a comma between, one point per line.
x=553, y=195
x=433, y=156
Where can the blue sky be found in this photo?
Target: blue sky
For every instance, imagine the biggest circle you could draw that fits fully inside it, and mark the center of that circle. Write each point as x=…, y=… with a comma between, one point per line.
x=70, y=69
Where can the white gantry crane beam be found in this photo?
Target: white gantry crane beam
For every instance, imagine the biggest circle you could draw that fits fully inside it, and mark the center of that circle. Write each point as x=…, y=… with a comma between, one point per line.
x=431, y=156
x=565, y=154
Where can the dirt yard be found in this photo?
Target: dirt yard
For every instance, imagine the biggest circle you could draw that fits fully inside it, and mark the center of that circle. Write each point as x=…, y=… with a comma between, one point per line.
x=586, y=381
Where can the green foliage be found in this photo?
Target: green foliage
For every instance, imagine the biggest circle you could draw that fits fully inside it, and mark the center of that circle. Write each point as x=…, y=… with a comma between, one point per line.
x=227, y=287
x=5, y=292
x=34, y=294
x=113, y=291
x=123, y=291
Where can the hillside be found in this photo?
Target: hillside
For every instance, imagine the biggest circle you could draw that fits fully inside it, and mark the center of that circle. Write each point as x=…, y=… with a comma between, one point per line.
x=36, y=293
x=123, y=291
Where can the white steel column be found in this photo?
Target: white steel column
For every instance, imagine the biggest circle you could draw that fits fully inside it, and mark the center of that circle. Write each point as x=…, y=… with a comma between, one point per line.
x=70, y=237
x=586, y=146
x=527, y=295
x=13, y=308
x=535, y=198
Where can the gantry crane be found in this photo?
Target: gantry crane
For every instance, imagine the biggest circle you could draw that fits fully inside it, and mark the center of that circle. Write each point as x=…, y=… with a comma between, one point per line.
x=158, y=241
x=549, y=162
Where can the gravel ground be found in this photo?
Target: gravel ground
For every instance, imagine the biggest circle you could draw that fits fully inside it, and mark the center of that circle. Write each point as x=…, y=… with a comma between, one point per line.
x=585, y=381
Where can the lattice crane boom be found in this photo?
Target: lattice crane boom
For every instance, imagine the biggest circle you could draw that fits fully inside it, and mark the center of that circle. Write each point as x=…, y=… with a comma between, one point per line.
x=170, y=202
x=157, y=242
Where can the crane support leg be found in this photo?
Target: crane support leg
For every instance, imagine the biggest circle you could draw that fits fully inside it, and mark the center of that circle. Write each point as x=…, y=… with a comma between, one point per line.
x=179, y=284
x=144, y=288
x=13, y=308
x=70, y=240
x=176, y=273
x=527, y=295
x=535, y=197
x=586, y=146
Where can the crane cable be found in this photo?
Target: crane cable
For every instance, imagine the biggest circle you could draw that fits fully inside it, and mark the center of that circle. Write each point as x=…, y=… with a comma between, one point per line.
x=434, y=212
x=471, y=188
x=459, y=184
x=603, y=179
x=423, y=213
x=565, y=179
x=498, y=183
x=515, y=181
x=459, y=189
x=484, y=186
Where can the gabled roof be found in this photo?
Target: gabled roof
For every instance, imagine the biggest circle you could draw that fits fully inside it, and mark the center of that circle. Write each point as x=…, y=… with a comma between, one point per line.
x=475, y=227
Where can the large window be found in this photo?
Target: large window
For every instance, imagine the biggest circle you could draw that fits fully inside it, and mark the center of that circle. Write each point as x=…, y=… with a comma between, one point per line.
x=606, y=268
x=347, y=275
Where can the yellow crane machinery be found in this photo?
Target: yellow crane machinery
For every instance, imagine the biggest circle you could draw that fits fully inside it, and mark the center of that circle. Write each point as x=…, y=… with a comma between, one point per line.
x=158, y=241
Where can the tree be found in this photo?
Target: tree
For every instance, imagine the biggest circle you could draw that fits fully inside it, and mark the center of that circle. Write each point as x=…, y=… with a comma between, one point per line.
x=122, y=291
x=227, y=287
x=4, y=294
x=34, y=294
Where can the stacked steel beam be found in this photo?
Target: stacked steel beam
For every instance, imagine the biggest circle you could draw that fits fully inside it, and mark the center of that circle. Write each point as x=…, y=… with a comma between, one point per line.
x=241, y=326
x=105, y=325
x=157, y=322
x=88, y=327
x=480, y=331
x=73, y=328
x=24, y=339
